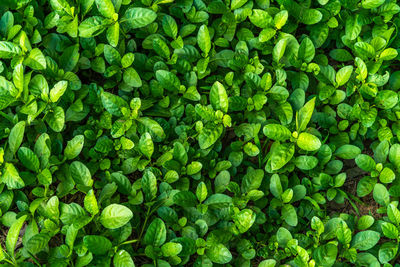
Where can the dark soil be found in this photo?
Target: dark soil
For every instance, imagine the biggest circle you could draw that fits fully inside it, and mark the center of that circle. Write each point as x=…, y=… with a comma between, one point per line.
x=366, y=205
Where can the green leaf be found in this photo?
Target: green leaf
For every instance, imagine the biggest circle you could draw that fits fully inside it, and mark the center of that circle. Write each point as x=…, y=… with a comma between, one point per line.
x=171, y=249
x=260, y=18
x=115, y=216
x=69, y=58
x=146, y=145
x=113, y=34
x=113, y=103
x=281, y=155
x=138, y=17
x=219, y=97
x=80, y=173
x=37, y=243
x=74, y=147
x=365, y=222
x=381, y=195
x=90, y=203
x=169, y=26
x=387, y=176
x=161, y=48
x=277, y=132
x=8, y=92
x=156, y=131
x=9, y=50
x=386, y=99
x=58, y=90
x=112, y=55
x=124, y=185
x=280, y=19
x=393, y=214
x=389, y=230
x=185, y=199
x=347, y=152
x=343, y=75
x=267, y=263
x=369, y=4
x=244, y=220
x=123, y=259
x=310, y=16
x=149, y=185
x=252, y=180
x=283, y=236
x=35, y=60
x=341, y=55
x=364, y=50
x=365, y=240
x=85, y=6
x=93, y=26
x=132, y=78
x=56, y=119
x=365, y=162
x=59, y=5
x=72, y=214
x=275, y=186
x=387, y=252
x=289, y=215
x=106, y=8
x=308, y=142
x=208, y=137
x=235, y=4
x=353, y=27
x=16, y=136
x=13, y=234
x=279, y=50
x=201, y=192
x=306, y=162
x=96, y=244
x=325, y=255
x=203, y=39
x=218, y=201
x=156, y=233
x=180, y=153
x=388, y=54
x=219, y=254
x=306, y=51
x=168, y=80
x=29, y=159
x=303, y=116
x=11, y=177
x=394, y=154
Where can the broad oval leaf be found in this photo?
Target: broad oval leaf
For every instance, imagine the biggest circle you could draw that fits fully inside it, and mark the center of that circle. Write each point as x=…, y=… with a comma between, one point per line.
x=115, y=216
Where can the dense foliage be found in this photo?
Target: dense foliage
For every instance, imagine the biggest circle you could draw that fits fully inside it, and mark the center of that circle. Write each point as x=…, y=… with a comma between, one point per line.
x=199, y=133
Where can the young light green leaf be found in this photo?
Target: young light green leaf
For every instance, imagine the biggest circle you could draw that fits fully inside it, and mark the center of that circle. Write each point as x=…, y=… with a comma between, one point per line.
x=16, y=136
x=106, y=8
x=343, y=75
x=203, y=39
x=308, y=142
x=219, y=97
x=13, y=234
x=303, y=116
x=115, y=216
x=58, y=90
x=74, y=147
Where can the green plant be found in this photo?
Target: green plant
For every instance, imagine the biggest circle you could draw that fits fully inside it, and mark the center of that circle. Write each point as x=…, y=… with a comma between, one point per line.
x=199, y=133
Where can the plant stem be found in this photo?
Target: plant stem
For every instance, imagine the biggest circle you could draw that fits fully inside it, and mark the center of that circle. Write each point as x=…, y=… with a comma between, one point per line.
x=144, y=226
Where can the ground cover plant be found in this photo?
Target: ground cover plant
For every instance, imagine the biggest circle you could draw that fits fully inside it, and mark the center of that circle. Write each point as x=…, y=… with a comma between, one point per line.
x=199, y=133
